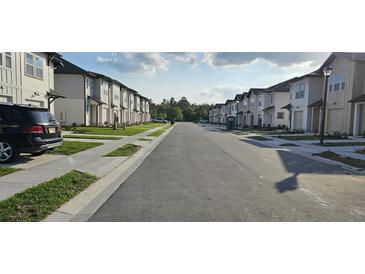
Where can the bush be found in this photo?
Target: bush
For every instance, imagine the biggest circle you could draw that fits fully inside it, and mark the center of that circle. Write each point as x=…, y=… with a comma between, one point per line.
x=338, y=135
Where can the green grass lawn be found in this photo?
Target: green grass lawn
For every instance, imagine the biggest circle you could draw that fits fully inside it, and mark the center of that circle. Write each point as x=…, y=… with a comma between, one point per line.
x=92, y=137
x=259, y=138
x=289, y=145
x=144, y=139
x=158, y=132
x=341, y=144
x=343, y=159
x=72, y=147
x=126, y=150
x=36, y=203
x=128, y=131
x=303, y=137
x=7, y=170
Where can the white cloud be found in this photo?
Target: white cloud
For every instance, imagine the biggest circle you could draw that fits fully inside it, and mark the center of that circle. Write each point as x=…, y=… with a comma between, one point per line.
x=282, y=59
x=184, y=57
x=135, y=62
x=219, y=94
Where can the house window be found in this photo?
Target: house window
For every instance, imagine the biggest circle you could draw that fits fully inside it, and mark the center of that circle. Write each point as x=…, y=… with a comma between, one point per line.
x=1, y=59
x=271, y=99
x=299, y=91
x=337, y=82
x=116, y=97
x=33, y=66
x=8, y=59
x=260, y=101
x=280, y=115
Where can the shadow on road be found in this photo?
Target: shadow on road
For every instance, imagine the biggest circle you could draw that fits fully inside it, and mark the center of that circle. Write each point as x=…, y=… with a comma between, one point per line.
x=289, y=184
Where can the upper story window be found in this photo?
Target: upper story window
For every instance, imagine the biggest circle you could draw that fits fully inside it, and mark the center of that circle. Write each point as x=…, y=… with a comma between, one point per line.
x=8, y=59
x=252, y=101
x=271, y=98
x=5, y=59
x=337, y=82
x=33, y=66
x=260, y=101
x=116, y=97
x=299, y=91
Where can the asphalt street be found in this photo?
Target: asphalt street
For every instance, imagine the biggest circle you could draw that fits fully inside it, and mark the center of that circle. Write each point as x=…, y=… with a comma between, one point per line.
x=205, y=174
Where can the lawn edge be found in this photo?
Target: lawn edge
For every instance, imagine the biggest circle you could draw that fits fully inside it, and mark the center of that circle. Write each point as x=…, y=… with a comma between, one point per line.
x=86, y=203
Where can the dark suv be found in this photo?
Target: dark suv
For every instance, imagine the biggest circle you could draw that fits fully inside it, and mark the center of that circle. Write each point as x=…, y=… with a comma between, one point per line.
x=26, y=129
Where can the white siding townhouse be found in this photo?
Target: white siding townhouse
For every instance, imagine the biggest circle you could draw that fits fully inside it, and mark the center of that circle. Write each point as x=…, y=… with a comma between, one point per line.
x=273, y=99
x=28, y=78
x=305, y=101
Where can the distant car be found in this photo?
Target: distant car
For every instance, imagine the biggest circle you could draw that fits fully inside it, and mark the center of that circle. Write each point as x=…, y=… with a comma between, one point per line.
x=159, y=120
x=26, y=129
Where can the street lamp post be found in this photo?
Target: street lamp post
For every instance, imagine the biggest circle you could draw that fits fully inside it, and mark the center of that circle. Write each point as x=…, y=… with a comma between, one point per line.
x=326, y=72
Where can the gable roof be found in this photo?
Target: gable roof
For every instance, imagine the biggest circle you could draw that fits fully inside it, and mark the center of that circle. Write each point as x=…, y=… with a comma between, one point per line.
x=70, y=68
x=238, y=97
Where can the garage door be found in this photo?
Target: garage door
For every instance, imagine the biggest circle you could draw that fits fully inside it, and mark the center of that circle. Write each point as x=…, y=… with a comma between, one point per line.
x=335, y=120
x=298, y=119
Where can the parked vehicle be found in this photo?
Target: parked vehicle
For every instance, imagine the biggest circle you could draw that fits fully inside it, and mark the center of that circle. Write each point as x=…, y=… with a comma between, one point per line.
x=26, y=129
x=159, y=120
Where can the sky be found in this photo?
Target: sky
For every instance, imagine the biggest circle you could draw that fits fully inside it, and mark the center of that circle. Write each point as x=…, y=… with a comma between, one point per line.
x=201, y=77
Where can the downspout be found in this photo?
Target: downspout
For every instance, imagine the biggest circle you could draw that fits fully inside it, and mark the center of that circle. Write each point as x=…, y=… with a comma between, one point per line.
x=84, y=78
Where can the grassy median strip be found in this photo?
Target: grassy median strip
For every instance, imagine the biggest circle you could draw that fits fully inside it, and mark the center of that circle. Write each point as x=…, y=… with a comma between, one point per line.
x=259, y=138
x=7, y=170
x=126, y=150
x=289, y=145
x=343, y=159
x=92, y=137
x=128, y=131
x=72, y=147
x=144, y=139
x=36, y=203
x=341, y=144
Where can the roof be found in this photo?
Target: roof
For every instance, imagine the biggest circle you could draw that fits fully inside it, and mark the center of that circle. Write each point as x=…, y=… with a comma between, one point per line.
x=360, y=98
x=69, y=68
x=282, y=86
x=229, y=101
x=288, y=106
x=353, y=56
x=96, y=100
x=268, y=108
x=238, y=97
x=318, y=103
x=219, y=105
x=53, y=94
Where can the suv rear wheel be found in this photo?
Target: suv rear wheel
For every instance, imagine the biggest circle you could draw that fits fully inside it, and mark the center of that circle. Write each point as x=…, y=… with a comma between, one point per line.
x=8, y=152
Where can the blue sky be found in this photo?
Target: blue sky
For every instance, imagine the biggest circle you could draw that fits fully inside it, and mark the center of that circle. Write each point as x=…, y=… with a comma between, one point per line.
x=201, y=77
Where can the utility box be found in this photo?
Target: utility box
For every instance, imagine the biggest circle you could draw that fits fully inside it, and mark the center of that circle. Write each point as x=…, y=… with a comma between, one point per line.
x=231, y=122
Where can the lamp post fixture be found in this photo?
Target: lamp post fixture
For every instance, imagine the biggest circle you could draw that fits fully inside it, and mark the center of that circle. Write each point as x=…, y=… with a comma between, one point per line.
x=326, y=72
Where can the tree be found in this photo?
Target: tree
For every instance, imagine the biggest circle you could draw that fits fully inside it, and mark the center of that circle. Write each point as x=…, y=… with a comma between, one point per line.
x=183, y=104
x=174, y=113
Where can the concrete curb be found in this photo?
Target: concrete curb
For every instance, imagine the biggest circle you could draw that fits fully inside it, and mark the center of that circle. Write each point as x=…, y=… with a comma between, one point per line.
x=310, y=156
x=84, y=205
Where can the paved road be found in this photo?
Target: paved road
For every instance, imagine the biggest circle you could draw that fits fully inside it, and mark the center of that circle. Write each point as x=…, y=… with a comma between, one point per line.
x=202, y=174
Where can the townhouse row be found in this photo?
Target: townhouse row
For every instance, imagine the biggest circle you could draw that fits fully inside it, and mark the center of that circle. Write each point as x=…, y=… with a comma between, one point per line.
x=95, y=99
x=74, y=95
x=298, y=102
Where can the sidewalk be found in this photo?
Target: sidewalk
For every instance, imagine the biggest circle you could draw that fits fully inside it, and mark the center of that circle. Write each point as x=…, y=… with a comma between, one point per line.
x=90, y=161
x=307, y=148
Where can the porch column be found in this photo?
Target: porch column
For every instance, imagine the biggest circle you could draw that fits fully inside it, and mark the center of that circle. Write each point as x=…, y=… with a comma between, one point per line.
x=356, y=120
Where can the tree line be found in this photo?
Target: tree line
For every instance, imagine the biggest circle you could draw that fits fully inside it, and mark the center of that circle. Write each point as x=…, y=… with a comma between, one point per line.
x=181, y=110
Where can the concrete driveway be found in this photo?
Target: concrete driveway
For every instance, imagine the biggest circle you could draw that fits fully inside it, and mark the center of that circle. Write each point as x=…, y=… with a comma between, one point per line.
x=204, y=174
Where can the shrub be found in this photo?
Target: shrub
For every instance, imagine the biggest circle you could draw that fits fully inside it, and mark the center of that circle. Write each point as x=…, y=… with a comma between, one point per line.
x=338, y=135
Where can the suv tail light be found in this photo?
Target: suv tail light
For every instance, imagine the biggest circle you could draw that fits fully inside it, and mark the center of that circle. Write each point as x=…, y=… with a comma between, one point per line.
x=34, y=129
